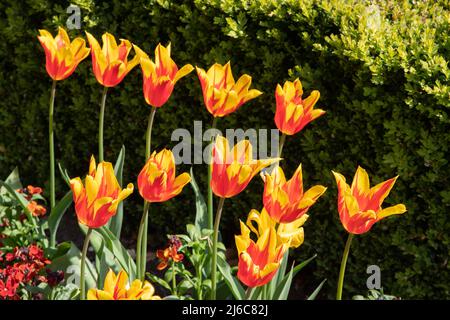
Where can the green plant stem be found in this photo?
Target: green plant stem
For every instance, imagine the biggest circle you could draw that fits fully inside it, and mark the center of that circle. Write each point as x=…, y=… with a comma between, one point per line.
x=214, y=250
x=248, y=292
x=51, y=145
x=148, y=136
x=141, y=250
x=100, y=125
x=343, y=264
x=83, y=264
x=280, y=147
x=210, y=193
x=174, y=280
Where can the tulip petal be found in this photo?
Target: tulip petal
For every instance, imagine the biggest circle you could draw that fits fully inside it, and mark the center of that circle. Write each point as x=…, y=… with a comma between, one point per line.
x=386, y=212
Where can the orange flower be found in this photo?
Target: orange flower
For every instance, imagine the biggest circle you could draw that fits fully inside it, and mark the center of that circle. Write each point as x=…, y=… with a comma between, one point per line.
x=34, y=190
x=170, y=253
x=259, y=262
x=284, y=200
x=97, y=201
x=117, y=287
x=160, y=76
x=293, y=113
x=157, y=181
x=232, y=170
x=110, y=62
x=221, y=94
x=62, y=56
x=359, y=205
x=36, y=209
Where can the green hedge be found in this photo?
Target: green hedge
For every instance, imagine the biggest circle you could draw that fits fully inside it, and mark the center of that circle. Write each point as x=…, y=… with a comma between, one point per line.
x=382, y=73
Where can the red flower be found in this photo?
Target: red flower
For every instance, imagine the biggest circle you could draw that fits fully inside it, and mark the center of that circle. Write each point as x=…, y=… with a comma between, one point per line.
x=170, y=253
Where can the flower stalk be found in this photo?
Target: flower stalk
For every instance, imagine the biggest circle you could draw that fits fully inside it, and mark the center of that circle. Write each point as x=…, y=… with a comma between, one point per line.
x=210, y=193
x=101, y=123
x=214, y=250
x=343, y=265
x=51, y=145
x=83, y=265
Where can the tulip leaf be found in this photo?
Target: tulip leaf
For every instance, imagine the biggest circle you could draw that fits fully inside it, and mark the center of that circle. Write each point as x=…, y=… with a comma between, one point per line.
x=315, y=292
x=14, y=180
x=115, y=223
x=57, y=214
x=255, y=293
x=279, y=275
x=302, y=265
x=70, y=264
x=64, y=174
x=22, y=201
x=201, y=215
x=282, y=291
x=113, y=245
x=236, y=288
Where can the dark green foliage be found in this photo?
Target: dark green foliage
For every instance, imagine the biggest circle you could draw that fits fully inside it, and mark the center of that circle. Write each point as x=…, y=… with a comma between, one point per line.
x=383, y=76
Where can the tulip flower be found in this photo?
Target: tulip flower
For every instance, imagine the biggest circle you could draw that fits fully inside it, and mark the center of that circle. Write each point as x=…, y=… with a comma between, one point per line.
x=61, y=59
x=290, y=233
x=110, y=65
x=160, y=76
x=116, y=287
x=284, y=200
x=62, y=56
x=292, y=112
x=258, y=262
x=157, y=181
x=221, y=94
x=110, y=62
x=359, y=208
x=232, y=170
x=96, y=202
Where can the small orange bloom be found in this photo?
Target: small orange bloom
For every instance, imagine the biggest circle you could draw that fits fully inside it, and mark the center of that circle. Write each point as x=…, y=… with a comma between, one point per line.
x=284, y=200
x=36, y=209
x=359, y=205
x=170, y=253
x=292, y=112
x=62, y=56
x=221, y=94
x=259, y=262
x=157, y=181
x=160, y=76
x=232, y=170
x=34, y=190
x=97, y=201
x=110, y=62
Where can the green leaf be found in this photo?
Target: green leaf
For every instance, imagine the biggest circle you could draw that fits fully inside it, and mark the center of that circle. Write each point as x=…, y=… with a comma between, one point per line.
x=14, y=179
x=57, y=214
x=115, y=223
x=22, y=201
x=64, y=174
x=282, y=291
x=314, y=294
x=201, y=215
x=279, y=275
x=255, y=293
x=236, y=288
x=302, y=265
x=70, y=264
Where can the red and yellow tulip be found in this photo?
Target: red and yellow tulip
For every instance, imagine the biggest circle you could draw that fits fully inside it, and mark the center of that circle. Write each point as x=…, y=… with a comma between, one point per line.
x=160, y=76
x=233, y=169
x=292, y=112
x=116, y=287
x=291, y=233
x=110, y=62
x=260, y=260
x=284, y=200
x=157, y=181
x=359, y=205
x=62, y=56
x=221, y=94
x=97, y=201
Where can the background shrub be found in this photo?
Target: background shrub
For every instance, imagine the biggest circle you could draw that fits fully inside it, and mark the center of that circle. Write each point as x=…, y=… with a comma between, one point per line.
x=381, y=68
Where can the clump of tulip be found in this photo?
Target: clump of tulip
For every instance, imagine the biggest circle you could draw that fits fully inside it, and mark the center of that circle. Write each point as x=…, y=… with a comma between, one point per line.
x=266, y=236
